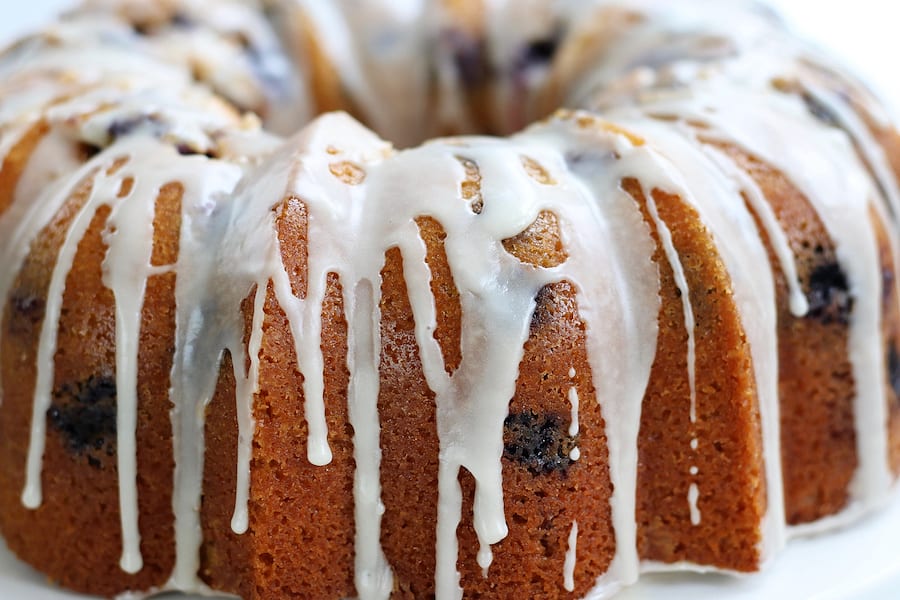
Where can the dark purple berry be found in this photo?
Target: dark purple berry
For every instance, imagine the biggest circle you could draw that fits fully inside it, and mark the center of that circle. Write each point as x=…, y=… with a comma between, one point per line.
x=893, y=366
x=543, y=301
x=540, y=443
x=151, y=123
x=820, y=110
x=469, y=57
x=27, y=313
x=829, y=295
x=85, y=414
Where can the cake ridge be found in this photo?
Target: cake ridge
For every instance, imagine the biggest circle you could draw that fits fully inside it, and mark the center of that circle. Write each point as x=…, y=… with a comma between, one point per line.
x=670, y=235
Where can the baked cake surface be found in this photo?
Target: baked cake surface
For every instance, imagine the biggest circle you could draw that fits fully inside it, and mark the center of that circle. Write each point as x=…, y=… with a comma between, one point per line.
x=654, y=327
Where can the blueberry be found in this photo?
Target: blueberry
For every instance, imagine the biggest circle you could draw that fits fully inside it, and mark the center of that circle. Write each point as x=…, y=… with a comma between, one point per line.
x=27, y=313
x=126, y=126
x=829, y=295
x=85, y=414
x=155, y=126
x=538, y=442
x=893, y=366
x=469, y=56
x=182, y=21
x=538, y=52
x=541, y=314
x=887, y=286
x=820, y=111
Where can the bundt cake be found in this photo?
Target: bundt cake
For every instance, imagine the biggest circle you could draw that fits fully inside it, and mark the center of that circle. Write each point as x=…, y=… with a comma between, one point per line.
x=657, y=327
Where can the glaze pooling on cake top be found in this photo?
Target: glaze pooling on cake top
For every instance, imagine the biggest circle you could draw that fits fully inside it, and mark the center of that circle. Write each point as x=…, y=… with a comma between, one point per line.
x=143, y=90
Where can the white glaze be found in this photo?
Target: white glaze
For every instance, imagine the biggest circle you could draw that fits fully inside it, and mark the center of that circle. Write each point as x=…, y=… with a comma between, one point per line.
x=96, y=74
x=573, y=400
x=693, y=496
x=779, y=129
x=571, y=557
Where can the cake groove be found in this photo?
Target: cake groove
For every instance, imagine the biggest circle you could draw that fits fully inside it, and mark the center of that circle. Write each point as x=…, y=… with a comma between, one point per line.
x=324, y=366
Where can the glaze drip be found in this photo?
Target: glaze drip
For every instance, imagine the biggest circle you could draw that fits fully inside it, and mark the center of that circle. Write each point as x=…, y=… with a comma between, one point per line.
x=153, y=106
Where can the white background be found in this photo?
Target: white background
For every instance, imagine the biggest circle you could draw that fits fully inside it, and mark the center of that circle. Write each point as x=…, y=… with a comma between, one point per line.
x=863, y=562
x=865, y=34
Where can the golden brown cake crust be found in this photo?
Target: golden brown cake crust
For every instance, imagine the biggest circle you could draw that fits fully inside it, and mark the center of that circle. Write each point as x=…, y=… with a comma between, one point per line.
x=294, y=503
x=729, y=456
x=75, y=537
x=301, y=541
x=541, y=497
x=816, y=387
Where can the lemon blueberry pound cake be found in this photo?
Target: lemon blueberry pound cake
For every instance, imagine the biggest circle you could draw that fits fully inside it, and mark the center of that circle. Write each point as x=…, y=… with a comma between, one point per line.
x=620, y=295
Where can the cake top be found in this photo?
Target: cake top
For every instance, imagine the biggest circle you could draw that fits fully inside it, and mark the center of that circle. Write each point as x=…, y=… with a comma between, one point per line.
x=136, y=95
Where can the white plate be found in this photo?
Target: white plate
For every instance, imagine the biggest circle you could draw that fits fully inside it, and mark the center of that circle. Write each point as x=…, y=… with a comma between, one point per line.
x=861, y=562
